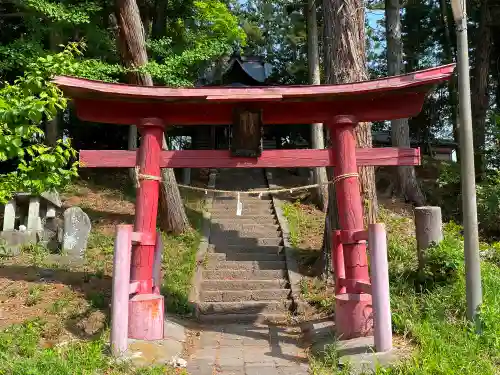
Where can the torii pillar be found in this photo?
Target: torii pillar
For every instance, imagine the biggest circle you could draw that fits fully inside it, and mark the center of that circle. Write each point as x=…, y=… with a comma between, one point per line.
x=146, y=307
x=353, y=308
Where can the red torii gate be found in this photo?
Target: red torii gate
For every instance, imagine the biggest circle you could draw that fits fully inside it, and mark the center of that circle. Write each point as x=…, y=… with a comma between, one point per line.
x=340, y=107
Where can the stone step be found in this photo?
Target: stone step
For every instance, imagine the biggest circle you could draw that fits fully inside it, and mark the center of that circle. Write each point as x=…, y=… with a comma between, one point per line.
x=264, y=197
x=244, y=185
x=228, y=274
x=245, y=242
x=261, y=257
x=251, y=207
x=232, y=249
x=246, y=265
x=255, y=218
x=254, y=198
x=241, y=220
x=216, y=285
x=225, y=235
x=245, y=295
x=245, y=211
x=219, y=319
x=245, y=307
x=253, y=201
x=254, y=227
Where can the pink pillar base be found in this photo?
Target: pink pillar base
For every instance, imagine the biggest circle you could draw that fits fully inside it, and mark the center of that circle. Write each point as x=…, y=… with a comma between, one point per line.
x=146, y=317
x=353, y=315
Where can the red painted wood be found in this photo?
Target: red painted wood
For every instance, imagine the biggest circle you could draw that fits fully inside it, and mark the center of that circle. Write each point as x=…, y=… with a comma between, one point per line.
x=350, y=207
x=338, y=262
x=148, y=159
x=352, y=310
x=144, y=238
x=133, y=287
x=146, y=317
x=353, y=315
x=78, y=87
x=353, y=236
x=364, y=287
x=393, y=105
x=157, y=278
x=269, y=158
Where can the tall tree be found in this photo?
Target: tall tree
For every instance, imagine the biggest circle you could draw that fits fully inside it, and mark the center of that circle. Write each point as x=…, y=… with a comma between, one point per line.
x=134, y=55
x=449, y=53
x=480, y=85
x=345, y=62
x=317, y=135
x=160, y=19
x=400, y=131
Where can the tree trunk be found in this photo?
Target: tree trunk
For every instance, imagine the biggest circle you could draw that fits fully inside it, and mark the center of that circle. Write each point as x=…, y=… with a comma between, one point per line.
x=400, y=130
x=173, y=216
x=133, y=53
x=345, y=62
x=449, y=52
x=160, y=19
x=317, y=136
x=479, y=87
x=52, y=126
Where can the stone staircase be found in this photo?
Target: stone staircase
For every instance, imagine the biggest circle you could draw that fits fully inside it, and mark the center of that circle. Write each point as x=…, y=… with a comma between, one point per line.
x=245, y=276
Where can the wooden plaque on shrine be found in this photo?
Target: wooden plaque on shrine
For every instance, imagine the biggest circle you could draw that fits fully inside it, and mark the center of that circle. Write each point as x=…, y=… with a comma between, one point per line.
x=246, y=133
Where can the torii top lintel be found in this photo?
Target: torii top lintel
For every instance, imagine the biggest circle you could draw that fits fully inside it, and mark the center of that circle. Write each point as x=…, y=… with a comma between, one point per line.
x=376, y=100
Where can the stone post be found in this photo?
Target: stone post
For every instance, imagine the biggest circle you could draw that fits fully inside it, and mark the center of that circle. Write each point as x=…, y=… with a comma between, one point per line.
x=428, y=230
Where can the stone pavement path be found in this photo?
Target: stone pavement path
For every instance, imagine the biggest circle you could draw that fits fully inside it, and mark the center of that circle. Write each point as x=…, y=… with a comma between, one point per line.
x=246, y=349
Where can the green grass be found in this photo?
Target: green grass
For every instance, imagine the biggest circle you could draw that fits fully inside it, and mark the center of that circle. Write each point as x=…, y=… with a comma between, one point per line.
x=428, y=308
x=179, y=257
x=179, y=262
x=20, y=354
x=24, y=347
x=34, y=295
x=304, y=223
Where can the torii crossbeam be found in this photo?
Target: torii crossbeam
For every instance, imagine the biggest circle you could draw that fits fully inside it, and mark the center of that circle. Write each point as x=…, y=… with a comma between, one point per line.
x=340, y=107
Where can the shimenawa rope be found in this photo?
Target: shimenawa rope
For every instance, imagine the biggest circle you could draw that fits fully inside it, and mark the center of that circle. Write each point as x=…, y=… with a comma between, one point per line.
x=239, y=205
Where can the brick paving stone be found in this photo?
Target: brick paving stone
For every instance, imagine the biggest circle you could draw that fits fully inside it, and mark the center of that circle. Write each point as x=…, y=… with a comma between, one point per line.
x=261, y=341
x=258, y=355
x=231, y=370
x=232, y=357
x=230, y=342
x=200, y=367
x=261, y=369
x=210, y=339
x=242, y=349
x=292, y=370
x=207, y=354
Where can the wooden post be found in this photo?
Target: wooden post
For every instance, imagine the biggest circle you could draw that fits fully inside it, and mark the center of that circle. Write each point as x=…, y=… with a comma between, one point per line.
x=353, y=310
x=338, y=263
x=428, y=230
x=157, y=281
x=377, y=242
x=186, y=176
x=146, y=307
x=120, y=290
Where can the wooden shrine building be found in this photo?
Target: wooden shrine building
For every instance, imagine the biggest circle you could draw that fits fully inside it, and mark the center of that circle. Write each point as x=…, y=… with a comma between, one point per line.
x=239, y=71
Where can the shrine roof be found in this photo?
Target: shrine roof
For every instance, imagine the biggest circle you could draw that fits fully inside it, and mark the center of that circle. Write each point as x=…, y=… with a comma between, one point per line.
x=380, y=99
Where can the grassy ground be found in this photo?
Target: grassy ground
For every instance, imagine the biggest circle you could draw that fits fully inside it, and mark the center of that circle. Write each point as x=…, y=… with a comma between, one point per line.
x=54, y=317
x=428, y=310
